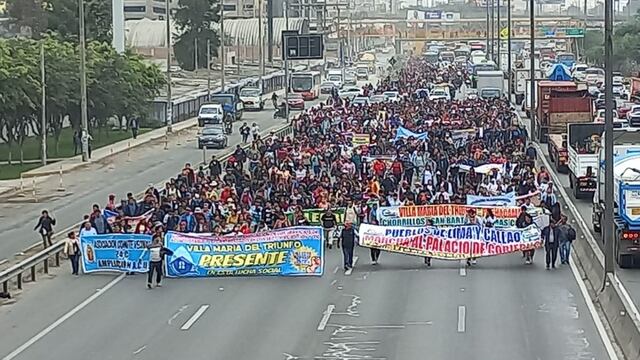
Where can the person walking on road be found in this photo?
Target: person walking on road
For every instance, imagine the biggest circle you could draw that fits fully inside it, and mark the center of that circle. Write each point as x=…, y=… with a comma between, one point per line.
x=88, y=230
x=566, y=236
x=134, y=126
x=255, y=131
x=328, y=220
x=524, y=220
x=550, y=236
x=348, y=240
x=245, y=130
x=45, y=228
x=72, y=250
x=156, y=257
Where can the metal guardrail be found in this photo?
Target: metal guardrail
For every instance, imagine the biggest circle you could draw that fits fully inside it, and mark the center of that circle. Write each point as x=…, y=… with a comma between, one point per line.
x=13, y=277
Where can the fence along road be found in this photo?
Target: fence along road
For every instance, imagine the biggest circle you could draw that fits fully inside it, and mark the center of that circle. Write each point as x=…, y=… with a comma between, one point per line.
x=397, y=310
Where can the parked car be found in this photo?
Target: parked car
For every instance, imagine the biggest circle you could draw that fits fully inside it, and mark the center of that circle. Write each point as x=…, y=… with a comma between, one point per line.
x=392, y=95
x=326, y=87
x=350, y=91
x=213, y=137
x=252, y=98
x=440, y=94
x=350, y=79
x=296, y=101
x=375, y=99
x=361, y=100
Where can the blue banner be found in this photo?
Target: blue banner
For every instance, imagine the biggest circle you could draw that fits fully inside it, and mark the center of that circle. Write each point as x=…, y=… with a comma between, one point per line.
x=294, y=251
x=115, y=252
x=403, y=133
x=498, y=200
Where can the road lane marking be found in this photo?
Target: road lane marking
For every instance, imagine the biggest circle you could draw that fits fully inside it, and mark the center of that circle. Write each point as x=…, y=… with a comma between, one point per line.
x=194, y=318
x=63, y=318
x=183, y=308
x=139, y=350
x=335, y=271
x=592, y=310
x=325, y=317
x=463, y=268
x=462, y=318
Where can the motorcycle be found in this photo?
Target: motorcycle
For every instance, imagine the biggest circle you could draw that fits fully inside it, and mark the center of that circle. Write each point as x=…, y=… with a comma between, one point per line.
x=228, y=127
x=280, y=113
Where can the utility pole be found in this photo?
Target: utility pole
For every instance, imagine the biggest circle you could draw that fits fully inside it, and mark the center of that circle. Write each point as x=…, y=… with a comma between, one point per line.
x=208, y=70
x=83, y=86
x=261, y=46
x=509, y=85
x=608, y=230
x=117, y=8
x=340, y=50
x=168, y=42
x=270, y=31
x=43, y=104
x=488, y=48
x=532, y=63
x=195, y=53
x=499, y=28
x=222, y=39
x=285, y=57
x=493, y=32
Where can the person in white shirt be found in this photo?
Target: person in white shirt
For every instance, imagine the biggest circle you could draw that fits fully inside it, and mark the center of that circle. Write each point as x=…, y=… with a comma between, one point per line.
x=255, y=131
x=88, y=230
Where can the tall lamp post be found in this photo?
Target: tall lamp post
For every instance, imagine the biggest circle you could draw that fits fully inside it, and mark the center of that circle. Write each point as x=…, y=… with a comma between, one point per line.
x=83, y=85
x=488, y=30
x=532, y=64
x=608, y=231
x=168, y=43
x=509, y=86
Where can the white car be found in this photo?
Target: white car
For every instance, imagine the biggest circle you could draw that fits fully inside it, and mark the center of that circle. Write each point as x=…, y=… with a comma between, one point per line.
x=392, y=95
x=336, y=79
x=360, y=100
x=440, y=94
x=252, y=98
x=350, y=92
x=617, y=78
x=471, y=94
x=376, y=99
x=210, y=114
x=619, y=89
x=600, y=116
x=578, y=71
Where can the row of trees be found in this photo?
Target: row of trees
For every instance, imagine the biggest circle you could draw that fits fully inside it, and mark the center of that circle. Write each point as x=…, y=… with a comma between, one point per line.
x=118, y=85
x=626, y=46
x=194, y=19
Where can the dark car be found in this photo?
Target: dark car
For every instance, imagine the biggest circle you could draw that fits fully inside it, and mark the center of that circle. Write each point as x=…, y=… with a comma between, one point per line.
x=213, y=137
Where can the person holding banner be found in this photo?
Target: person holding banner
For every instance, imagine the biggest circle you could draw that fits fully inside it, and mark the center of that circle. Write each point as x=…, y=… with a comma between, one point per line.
x=525, y=220
x=329, y=223
x=472, y=219
x=72, y=250
x=157, y=252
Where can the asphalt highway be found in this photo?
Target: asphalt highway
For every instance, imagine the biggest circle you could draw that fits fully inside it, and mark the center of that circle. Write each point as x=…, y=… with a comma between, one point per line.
x=397, y=310
x=119, y=174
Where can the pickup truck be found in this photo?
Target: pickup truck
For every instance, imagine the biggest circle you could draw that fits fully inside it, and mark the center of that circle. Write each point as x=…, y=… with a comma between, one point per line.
x=583, y=148
x=557, y=147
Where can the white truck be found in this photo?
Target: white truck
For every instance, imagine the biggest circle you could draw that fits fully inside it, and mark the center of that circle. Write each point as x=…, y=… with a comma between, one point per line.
x=519, y=85
x=490, y=84
x=626, y=196
x=583, y=143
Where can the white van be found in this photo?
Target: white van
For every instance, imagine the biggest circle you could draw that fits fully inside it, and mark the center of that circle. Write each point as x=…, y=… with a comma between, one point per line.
x=210, y=114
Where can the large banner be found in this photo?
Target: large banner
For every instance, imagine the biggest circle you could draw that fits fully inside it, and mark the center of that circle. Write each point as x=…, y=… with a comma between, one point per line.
x=498, y=200
x=115, y=252
x=314, y=216
x=442, y=215
x=294, y=251
x=459, y=242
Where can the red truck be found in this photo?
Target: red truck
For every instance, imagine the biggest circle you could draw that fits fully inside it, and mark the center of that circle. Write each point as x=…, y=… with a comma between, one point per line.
x=560, y=103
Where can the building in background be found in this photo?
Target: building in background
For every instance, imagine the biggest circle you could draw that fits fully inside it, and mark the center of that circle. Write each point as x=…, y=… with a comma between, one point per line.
x=149, y=9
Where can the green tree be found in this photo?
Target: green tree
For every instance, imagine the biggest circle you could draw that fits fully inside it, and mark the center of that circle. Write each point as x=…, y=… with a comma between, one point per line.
x=60, y=17
x=195, y=21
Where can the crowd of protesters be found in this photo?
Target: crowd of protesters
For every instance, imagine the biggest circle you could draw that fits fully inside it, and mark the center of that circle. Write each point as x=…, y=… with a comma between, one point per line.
x=269, y=184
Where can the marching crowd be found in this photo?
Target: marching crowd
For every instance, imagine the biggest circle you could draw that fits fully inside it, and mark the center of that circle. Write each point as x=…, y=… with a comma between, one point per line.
x=419, y=152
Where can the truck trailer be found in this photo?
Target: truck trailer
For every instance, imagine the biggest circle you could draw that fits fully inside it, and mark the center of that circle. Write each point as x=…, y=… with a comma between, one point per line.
x=626, y=196
x=583, y=145
x=560, y=103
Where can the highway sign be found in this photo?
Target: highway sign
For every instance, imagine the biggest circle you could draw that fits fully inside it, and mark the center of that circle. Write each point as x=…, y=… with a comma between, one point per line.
x=303, y=46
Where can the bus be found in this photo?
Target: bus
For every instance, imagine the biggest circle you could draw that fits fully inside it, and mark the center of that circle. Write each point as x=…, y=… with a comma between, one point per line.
x=307, y=84
x=482, y=65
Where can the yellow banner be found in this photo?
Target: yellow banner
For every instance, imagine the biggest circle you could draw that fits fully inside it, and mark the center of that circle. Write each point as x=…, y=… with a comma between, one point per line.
x=361, y=139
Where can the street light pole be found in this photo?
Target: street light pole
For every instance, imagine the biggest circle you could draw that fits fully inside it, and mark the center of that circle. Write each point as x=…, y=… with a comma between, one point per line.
x=498, y=29
x=222, y=38
x=43, y=104
x=493, y=32
x=608, y=230
x=261, y=46
x=285, y=57
x=509, y=85
x=532, y=64
x=83, y=86
x=488, y=48
x=208, y=70
x=168, y=42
